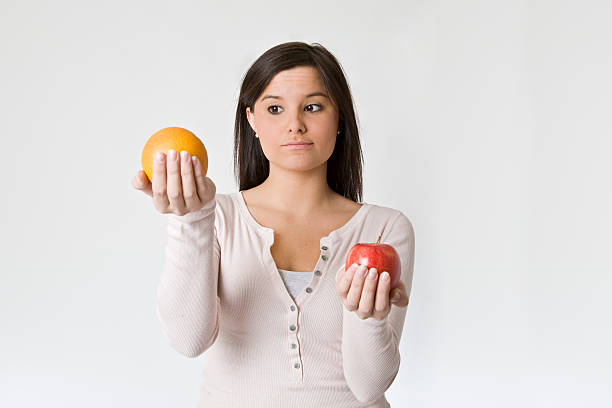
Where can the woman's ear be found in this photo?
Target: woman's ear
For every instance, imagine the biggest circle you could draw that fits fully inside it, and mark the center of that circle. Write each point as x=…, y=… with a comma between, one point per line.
x=251, y=119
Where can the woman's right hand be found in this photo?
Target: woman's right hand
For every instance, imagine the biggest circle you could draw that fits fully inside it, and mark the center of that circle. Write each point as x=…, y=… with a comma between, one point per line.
x=180, y=190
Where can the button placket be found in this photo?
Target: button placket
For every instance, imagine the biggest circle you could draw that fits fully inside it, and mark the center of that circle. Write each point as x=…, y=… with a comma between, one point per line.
x=293, y=343
x=324, y=248
x=297, y=367
x=324, y=257
x=317, y=272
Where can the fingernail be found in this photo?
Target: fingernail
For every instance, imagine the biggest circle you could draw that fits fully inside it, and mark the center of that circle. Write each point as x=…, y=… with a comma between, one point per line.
x=362, y=270
x=184, y=156
x=352, y=270
x=372, y=275
x=395, y=298
x=384, y=276
x=159, y=156
x=172, y=154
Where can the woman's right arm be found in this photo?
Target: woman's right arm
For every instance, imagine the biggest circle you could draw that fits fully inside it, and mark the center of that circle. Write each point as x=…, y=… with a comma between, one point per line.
x=187, y=301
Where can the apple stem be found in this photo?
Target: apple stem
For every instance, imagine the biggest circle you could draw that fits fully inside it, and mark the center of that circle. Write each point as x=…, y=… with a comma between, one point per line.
x=378, y=240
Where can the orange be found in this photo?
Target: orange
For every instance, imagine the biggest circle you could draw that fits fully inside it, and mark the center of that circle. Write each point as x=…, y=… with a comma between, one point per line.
x=172, y=138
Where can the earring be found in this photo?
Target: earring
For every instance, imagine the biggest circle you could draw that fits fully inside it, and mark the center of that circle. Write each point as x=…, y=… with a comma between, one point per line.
x=256, y=135
x=338, y=132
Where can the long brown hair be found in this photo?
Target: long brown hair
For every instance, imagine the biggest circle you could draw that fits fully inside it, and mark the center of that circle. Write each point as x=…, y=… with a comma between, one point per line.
x=344, y=167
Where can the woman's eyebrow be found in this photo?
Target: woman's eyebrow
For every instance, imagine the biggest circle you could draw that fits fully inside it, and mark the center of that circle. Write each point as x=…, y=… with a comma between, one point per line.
x=308, y=96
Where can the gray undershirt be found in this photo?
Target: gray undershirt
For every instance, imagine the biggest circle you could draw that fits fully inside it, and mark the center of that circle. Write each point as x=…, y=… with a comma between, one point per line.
x=295, y=282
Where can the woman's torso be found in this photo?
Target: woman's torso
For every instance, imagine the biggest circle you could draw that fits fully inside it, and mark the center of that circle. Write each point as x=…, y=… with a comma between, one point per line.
x=264, y=331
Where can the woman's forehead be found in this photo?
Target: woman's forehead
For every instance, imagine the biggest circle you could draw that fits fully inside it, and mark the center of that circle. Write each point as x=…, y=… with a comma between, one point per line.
x=295, y=81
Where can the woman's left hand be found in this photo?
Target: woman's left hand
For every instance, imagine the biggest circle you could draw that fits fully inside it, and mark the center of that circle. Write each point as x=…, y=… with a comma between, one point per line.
x=367, y=294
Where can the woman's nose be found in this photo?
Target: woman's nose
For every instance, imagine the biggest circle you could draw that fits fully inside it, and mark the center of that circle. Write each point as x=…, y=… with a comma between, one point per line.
x=296, y=123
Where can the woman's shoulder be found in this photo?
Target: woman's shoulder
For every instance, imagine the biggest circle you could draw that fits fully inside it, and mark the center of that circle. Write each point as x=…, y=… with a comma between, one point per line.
x=379, y=212
x=373, y=213
x=344, y=204
x=225, y=207
x=223, y=198
x=226, y=203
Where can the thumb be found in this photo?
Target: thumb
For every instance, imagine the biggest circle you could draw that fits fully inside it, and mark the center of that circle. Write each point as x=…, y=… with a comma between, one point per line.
x=141, y=182
x=399, y=297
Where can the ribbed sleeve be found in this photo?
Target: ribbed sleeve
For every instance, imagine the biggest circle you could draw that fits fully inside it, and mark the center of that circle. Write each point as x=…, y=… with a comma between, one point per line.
x=370, y=347
x=187, y=294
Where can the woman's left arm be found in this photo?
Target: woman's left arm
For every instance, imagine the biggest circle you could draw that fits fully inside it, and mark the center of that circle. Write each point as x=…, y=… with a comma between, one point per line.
x=372, y=324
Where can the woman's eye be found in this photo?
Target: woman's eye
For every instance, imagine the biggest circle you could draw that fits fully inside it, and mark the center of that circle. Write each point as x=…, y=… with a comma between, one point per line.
x=314, y=104
x=273, y=109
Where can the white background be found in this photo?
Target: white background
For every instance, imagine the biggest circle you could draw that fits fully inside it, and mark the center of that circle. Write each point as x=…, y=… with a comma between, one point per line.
x=486, y=122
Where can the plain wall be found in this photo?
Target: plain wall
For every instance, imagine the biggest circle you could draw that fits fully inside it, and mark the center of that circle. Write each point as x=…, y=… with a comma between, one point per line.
x=485, y=122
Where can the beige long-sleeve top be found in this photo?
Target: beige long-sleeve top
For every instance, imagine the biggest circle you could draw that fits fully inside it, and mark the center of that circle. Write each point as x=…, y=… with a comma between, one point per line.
x=221, y=295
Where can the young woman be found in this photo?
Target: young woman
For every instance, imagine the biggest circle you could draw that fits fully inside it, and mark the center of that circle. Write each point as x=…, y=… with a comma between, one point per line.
x=256, y=279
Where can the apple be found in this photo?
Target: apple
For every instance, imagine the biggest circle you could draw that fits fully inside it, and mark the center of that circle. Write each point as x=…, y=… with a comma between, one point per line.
x=383, y=257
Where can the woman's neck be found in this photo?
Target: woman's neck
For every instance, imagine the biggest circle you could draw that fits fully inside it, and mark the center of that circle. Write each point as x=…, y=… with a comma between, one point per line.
x=297, y=193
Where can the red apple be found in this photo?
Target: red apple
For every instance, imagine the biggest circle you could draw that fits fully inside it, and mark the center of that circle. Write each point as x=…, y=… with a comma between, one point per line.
x=383, y=257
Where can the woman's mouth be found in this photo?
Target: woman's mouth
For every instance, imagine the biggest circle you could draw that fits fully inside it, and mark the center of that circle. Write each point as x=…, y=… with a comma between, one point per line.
x=298, y=146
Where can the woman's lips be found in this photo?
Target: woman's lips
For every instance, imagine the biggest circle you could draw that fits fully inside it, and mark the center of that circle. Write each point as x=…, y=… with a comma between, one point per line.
x=298, y=146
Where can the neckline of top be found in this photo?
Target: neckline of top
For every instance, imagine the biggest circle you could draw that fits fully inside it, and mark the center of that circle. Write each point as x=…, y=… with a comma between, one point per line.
x=286, y=270
x=338, y=231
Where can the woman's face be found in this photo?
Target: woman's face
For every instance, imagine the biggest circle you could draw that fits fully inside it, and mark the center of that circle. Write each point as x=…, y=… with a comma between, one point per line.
x=295, y=107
